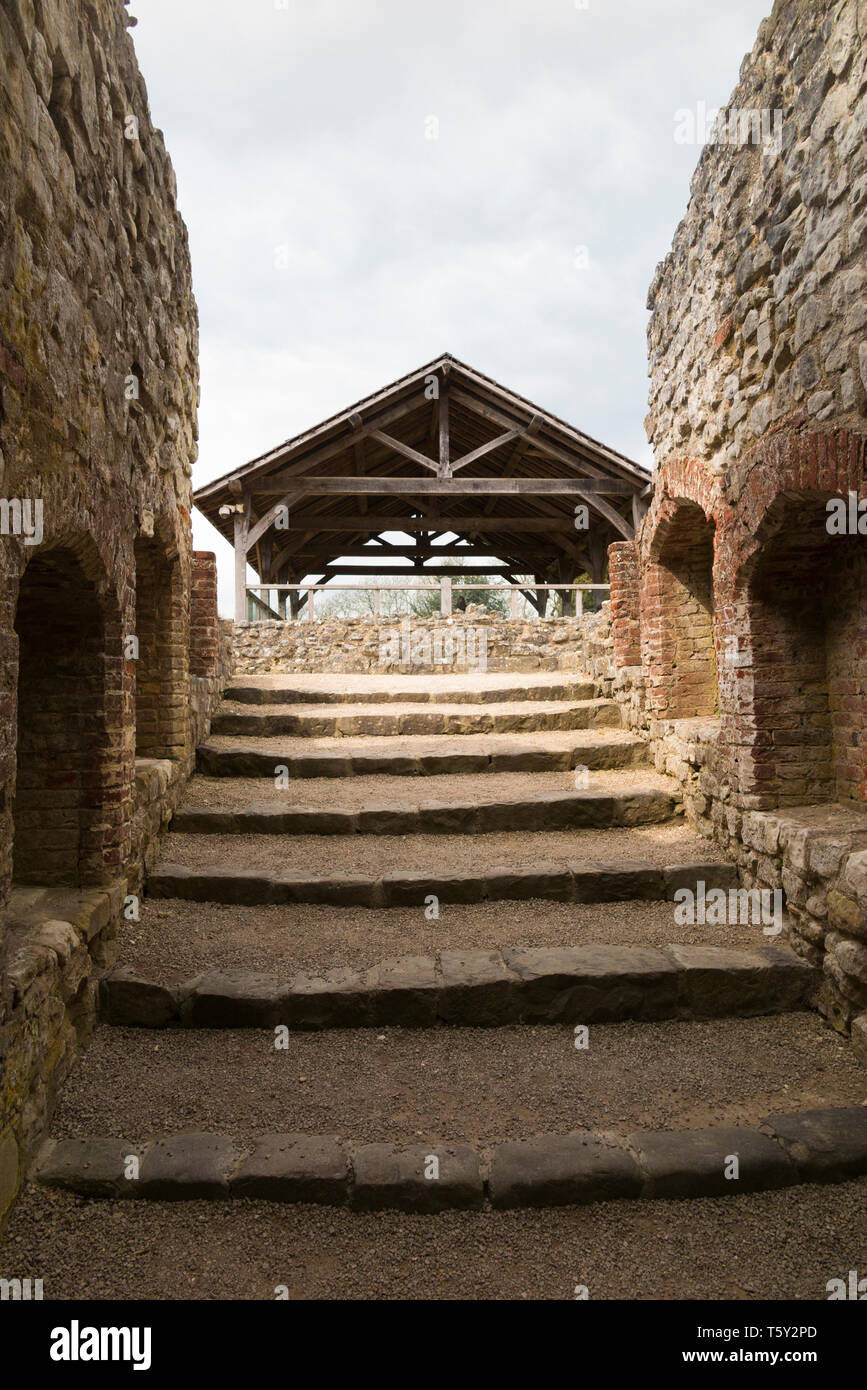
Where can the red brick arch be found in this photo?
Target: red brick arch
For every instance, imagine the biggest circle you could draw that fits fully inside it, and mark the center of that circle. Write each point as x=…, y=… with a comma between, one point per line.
x=162, y=663
x=70, y=807
x=677, y=610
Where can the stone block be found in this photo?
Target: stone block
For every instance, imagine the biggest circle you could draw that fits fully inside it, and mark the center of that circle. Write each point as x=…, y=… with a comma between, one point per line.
x=694, y=1163
x=294, y=1168
x=421, y=1178
x=188, y=1166
x=824, y=1145
x=477, y=989
x=561, y=1169
x=126, y=998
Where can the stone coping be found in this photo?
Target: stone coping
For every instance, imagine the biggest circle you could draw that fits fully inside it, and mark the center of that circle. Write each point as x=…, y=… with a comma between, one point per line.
x=544, y=1170
x=477, y=988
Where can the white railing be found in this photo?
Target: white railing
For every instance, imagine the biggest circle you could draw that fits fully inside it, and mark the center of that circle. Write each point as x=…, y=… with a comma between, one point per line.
x=447, y=588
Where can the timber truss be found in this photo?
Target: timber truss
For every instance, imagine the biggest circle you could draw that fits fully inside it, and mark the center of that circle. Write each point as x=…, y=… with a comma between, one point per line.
x=446, y=457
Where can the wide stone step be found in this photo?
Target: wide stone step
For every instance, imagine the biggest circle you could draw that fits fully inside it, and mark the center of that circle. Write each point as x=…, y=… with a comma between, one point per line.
x=414, y=756
x=558, y=1169
x=578, y=984
x=314, y=722
x=576, y=882
x=475, y=689
x=173, y=941
x=543, y=811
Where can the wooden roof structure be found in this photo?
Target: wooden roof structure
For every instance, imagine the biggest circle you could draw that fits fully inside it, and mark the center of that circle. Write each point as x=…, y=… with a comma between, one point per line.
x=443, y=452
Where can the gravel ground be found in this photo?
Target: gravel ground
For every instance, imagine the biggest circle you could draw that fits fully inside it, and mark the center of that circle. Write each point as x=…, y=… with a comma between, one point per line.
x=670, y=843
x=766, y=1245
x=472, y=1084
x=359, y=793
x=175, y=939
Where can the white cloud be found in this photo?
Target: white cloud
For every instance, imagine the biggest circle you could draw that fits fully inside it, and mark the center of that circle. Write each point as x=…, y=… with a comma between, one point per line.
x=303, y=129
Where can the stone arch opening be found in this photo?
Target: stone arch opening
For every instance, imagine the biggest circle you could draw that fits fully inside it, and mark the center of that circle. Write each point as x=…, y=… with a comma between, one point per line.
x=68, y=807
x=806, y=595
x=678, y=617
x=162, y=659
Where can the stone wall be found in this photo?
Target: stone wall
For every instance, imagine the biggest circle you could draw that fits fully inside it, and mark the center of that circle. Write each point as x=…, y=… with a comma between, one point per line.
x=472, y=640
x=98, y=393
x=759, y=311
x=739, y=614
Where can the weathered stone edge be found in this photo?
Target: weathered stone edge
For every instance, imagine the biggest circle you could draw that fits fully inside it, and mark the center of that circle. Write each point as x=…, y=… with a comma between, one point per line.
x=552, y=811
x=563, y=882
x=546, y=1170
x=566, y=689
x=476, y=988
x=630, y=751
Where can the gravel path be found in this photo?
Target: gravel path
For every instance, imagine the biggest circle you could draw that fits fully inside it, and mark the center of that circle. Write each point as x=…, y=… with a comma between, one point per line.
x=766, y=1245
x=358, y=793
x=472, y=1084
x=175, y=939
x=657, y=845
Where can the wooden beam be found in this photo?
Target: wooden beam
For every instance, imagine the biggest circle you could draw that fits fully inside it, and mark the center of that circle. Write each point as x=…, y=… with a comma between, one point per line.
x=485, y=449
x=301, y=522
x=396, y=552
x=400, y=448
x=409, y=571
x=446, y=487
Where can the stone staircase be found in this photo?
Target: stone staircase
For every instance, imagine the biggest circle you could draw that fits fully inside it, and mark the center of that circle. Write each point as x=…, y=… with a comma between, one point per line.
x=411, y=944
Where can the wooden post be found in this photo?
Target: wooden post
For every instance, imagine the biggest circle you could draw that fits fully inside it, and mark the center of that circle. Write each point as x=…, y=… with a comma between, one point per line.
x=377, y=602
x=240, y=567
x=444, y=469
x=311, y=598
x=445, y=596
x=514, y=598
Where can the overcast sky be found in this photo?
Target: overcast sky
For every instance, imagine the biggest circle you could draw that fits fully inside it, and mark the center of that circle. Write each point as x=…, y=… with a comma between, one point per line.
x=370, y=183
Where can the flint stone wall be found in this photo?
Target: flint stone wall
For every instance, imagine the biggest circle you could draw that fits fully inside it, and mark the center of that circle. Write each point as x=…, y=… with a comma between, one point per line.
x=472, y=640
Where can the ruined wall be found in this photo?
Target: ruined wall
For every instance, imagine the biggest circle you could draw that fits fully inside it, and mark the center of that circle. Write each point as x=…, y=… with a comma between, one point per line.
x=474, y=639
x=740, y=611
x=98, y=392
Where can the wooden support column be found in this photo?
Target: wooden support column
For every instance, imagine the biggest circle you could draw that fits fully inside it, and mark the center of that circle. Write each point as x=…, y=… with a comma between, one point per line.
x=241, y=530
x=444, y=469
x=566, y=575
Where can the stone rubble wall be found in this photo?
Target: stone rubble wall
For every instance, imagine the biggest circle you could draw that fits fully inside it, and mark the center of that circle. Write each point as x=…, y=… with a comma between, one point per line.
x=472, y=640
x=759, y=310
x=98, y=400
x=746, y=670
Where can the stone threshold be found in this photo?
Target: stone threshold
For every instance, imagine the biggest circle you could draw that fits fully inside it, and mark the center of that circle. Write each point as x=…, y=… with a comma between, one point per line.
x=562, y=882
x=544, y=811
x=580, y=714
x=785, y=1150
x=578, y=688
x=475, y=988
x=603, y=753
